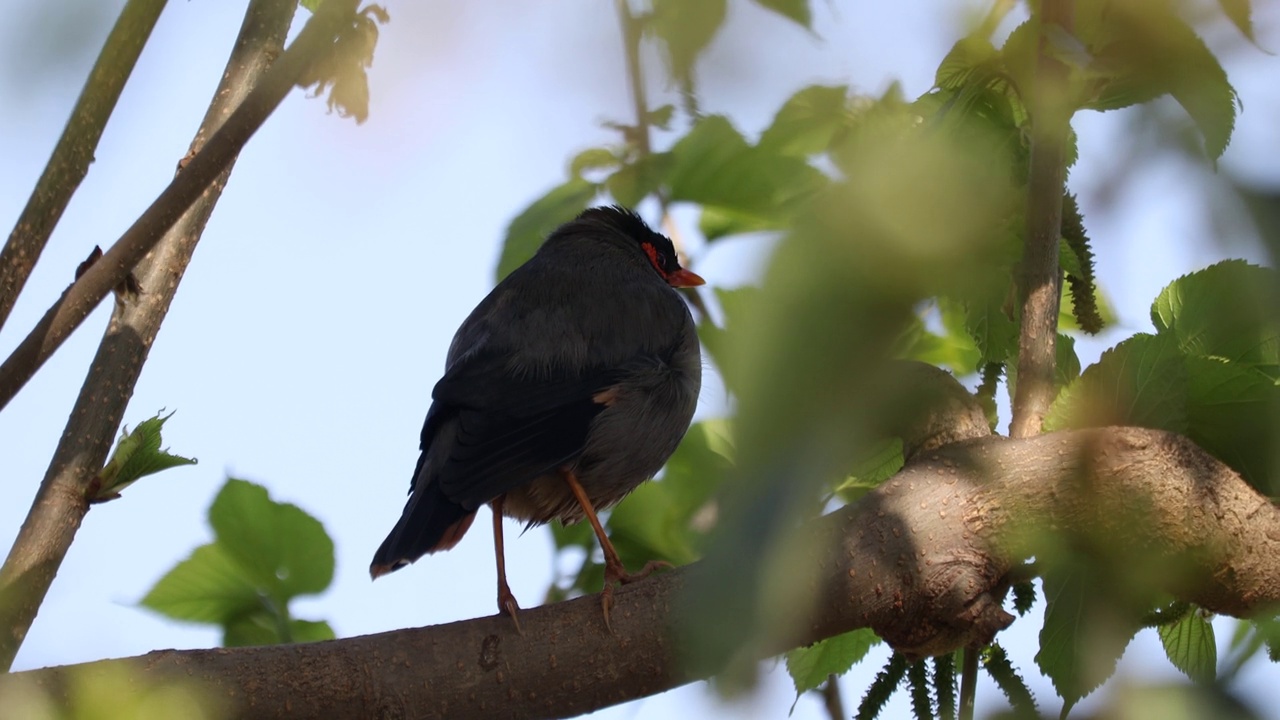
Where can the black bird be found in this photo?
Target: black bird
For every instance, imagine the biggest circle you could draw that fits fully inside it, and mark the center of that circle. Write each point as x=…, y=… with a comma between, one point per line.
x=567, y=387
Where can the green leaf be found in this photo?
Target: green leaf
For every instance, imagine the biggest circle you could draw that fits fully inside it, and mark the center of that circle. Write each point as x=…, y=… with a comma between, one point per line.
x=810, y=666
x=714, y=165
x=527, y=231
x=685, y=29
x=1191, y=648
x=885, y=460
x=592, y=159
x=715, y=223
x=1068, y=363
x=1230, y=310
x=994, y=332
x=137, y=455
x=1241, y=15
x=284, y=551
x=661, y=117
x=808, y=121
x=1142, y=381
x=666, y=519
x=1078, y=652
x=632, y=182
x=209, y=587
x=954, y=349
x=1146, y=50
x=795, y=10
x=262, y=628
x=737, y=304
x=957, y=69
x=1233, y=412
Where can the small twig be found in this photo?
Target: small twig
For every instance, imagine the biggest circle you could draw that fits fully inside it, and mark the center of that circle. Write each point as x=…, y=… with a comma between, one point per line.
x=643, y=141
x=968, y=682
x=62, y=502
x=69, y=163
x=831, y=699
x=635, y=75
x=1039, y=279
x=83, y=296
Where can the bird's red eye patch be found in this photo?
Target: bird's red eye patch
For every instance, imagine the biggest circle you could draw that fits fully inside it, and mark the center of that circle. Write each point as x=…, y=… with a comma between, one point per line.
x=654, y=258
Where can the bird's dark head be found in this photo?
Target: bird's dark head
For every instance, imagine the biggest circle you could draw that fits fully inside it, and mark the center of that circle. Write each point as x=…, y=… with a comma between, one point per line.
x=617, y=221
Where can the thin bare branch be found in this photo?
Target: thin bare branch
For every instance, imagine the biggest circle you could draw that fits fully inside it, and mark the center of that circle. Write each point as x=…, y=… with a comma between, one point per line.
x=69, y=164
x=61, y=503
x=203, y=169
x=1039, y=278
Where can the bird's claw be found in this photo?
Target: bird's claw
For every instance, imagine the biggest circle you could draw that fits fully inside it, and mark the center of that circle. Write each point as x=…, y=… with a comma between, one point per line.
x=618, y=575
x=507, y=606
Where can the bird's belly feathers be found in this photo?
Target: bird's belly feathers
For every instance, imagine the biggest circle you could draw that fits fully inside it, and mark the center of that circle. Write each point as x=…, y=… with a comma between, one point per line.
x=629, y=441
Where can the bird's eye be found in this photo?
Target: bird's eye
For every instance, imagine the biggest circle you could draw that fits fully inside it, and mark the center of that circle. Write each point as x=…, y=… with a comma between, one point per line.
x=658, y=260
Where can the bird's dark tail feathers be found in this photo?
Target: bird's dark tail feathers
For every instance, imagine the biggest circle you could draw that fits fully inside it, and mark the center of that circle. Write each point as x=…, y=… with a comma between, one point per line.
x=431, y=522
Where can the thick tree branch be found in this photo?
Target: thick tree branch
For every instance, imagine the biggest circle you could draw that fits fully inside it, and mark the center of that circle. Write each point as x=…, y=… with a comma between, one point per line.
x=79, y=300
x=923, y=560
x=1039, y=279
x=64, y=495
x=69, y=164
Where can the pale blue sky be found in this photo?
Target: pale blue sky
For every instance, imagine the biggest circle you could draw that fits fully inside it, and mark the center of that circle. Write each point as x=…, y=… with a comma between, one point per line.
x=303, y=344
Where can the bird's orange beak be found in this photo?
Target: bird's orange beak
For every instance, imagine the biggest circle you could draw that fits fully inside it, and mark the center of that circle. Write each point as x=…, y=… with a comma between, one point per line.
x=685, y=278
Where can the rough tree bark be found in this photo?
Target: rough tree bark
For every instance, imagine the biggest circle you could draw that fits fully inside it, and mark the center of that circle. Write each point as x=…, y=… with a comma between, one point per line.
x=923, y=560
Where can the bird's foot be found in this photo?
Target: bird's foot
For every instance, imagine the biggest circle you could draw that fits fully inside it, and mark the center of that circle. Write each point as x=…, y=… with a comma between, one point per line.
x=618, y=575
x=622, y=577
x=507, y=605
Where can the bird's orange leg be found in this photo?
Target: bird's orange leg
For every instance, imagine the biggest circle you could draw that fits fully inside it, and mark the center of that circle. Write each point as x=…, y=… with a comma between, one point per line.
x=614, y=570
x=506, y=599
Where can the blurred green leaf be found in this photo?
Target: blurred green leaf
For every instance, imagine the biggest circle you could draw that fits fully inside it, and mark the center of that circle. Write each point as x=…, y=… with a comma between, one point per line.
x=209, y=587
x=661, y=117
x=1230, y=310
x=963, y=61
x=715, y=223
x=714, y=165
x=810, y=666
x=137, y=455
x=879, y=465
x=527, y=231
x=954, y=349
x=666, y=519
x=633, y=181
x=795, y=10
x=685, y=29
x=262, y=628
x=592, y=159
x=283, y=550
x=1190, y=645
x=737, y=306
x=1241, y=15
x=808, y=121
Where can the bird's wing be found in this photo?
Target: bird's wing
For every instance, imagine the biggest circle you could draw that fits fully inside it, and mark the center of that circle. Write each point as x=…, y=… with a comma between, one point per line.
x=510, y=429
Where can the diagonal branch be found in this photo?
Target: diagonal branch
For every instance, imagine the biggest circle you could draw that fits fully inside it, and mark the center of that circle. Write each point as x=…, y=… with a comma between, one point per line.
x=316, y=38
x=63, y=498
x=1039, y=278
x=923, y=560
x=69, y=164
